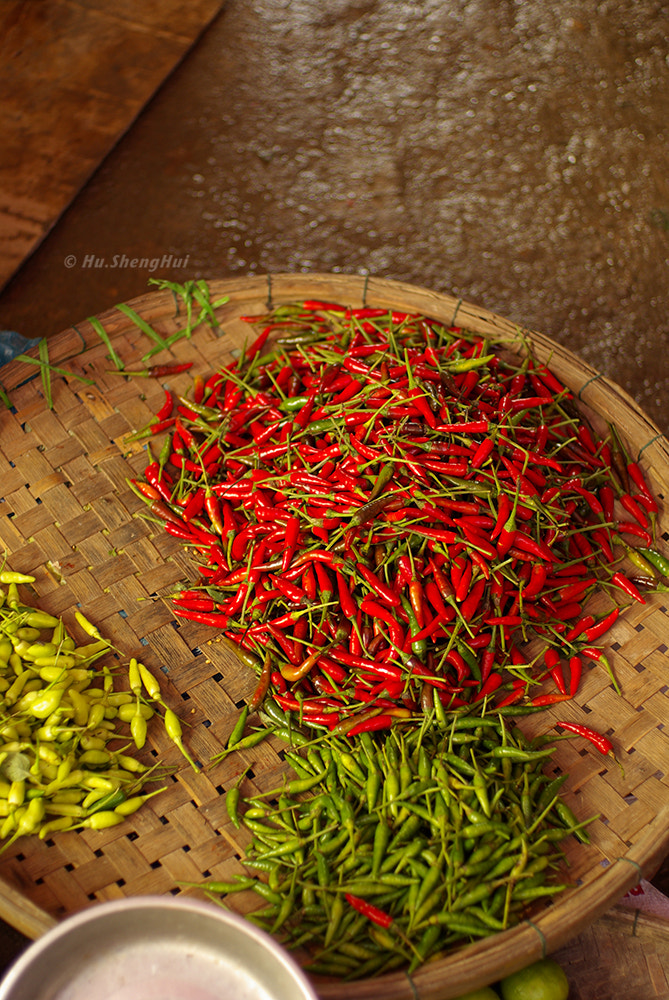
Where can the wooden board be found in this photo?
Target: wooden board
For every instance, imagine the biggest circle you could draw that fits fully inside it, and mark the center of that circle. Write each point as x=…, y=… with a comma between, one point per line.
x=75, y=76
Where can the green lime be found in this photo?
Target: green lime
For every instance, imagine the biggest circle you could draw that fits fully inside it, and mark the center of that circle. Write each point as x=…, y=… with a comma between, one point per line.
x=485, y=993
x=543, y=980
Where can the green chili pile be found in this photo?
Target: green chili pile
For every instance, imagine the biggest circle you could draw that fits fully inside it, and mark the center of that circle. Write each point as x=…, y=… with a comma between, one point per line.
x=66, y=759
x=408, y=843
x=385, y=511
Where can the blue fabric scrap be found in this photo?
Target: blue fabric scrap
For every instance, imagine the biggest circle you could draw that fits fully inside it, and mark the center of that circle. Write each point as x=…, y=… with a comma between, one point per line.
x=12, y=343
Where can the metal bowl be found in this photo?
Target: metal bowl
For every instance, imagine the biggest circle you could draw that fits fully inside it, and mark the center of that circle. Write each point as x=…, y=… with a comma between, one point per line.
x=155, y=948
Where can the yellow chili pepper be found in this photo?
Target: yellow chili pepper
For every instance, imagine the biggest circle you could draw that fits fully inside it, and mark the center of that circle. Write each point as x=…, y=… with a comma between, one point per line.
x=16, y=794
x=45, y=703
x=127, y=712
x=71, y=809
x=133, y=804
x=14, y=691
x=138, y=727
x=95, y=758
x=7, y=576
x=150, y=683
x=174, y=731
x=87, y=626
x=134, y=678
x=55, y=826
x=95, y=715
x=103, y=820
x=130, y=764
x=81, y=706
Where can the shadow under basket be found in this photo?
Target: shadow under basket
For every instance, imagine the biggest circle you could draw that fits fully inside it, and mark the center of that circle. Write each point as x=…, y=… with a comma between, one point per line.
x=69, y=519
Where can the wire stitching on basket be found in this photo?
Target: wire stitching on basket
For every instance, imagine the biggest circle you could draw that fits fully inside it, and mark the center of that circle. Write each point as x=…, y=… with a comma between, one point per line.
x=648, y=444
x=542, y=936
x=586, y=384
x=455, y=313
x=270, y=304
x=414, y=988
x=364, y=291
x=83, y=341
x=635, y=864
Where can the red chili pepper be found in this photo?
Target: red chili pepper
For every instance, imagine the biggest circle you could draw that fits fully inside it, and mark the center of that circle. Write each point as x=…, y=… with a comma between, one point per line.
x=147, y=490
x=585, y=437
x=376, y=610
x=152, y=429
x=382, y=589
x=290, y=542
x=504, y=508
x=621, y=581
x=487, y=663
x=348, y=605
x=593, y=653
x=196, y=603
x=459, y=564
x=630, y=528
x=504, y=620
x=575, y=671
x=437, y=534
x=606, y=498
x=513, y=696
x=543, y=700
x=596, y=631
x=533, y=546
x=477, y=539
x=581, y=545
x=215, y=619
x=433, y=595
x=647, y=502
x=368, y=725
x=471, y=603
x=165, y=410
x=633, y=508
x=493, y=682
x=416, y=598
x=536, y=581
x=600, y=535
x=376, y=915
x=552, y=661
x=289, y=590
x=483, y=452
x=637, y=477
x=603, y=744
x=586, y=622
x=526, y=403
x=194, y=505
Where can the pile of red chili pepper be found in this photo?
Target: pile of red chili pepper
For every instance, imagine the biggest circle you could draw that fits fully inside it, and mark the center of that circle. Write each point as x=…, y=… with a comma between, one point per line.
x=386, y=511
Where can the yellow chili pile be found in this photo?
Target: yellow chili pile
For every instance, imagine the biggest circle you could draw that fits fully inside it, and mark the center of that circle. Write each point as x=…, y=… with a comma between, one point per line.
x=68, y=735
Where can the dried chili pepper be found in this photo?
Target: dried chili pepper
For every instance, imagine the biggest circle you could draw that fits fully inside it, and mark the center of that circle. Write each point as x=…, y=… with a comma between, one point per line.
x=154, y=371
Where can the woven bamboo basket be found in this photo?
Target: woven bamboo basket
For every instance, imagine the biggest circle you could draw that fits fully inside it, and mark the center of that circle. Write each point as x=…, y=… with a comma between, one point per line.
x=65, y=501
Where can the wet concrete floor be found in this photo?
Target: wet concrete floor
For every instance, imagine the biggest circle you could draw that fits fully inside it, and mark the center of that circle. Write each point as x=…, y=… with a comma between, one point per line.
x=511, y=152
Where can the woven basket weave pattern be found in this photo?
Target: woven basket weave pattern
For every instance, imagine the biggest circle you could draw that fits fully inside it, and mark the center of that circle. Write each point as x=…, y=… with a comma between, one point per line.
x=65, y=499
